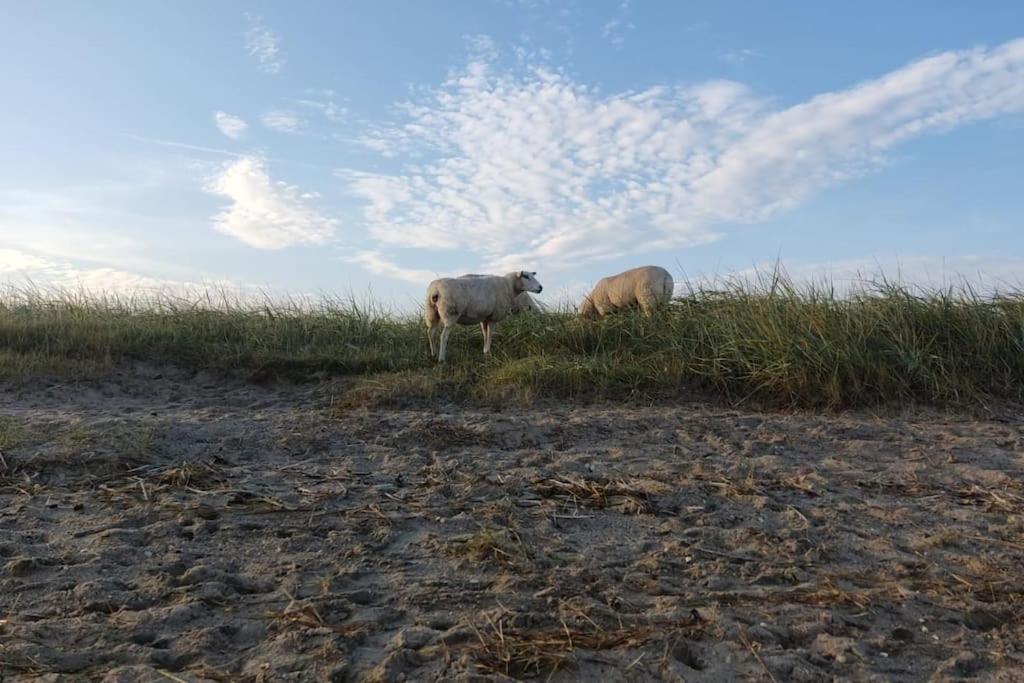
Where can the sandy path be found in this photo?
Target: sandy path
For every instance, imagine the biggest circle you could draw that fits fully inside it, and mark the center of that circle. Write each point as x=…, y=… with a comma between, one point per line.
x=159, y=526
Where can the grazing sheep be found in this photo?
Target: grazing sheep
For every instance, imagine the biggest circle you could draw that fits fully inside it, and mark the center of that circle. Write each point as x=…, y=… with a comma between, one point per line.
x=467, y=300
x=647, y=287
x=523, y=303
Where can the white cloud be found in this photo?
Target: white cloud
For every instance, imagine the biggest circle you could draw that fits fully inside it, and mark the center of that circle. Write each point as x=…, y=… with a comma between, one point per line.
x=14, y=261
x=264, y=44
x=736, y=57
x=231, y=126
x=283, y=121
x=266, y=214
x=531, y=168
x=21, y=269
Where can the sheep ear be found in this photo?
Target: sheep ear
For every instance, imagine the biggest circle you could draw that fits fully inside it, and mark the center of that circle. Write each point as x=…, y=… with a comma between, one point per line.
x=521, y=273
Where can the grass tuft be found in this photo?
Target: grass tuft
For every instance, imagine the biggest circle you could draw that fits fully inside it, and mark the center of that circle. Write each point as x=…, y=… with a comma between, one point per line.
x=765, y=340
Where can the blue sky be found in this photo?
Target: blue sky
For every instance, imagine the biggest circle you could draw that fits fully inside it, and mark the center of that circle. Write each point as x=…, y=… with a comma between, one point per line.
x=368, y=147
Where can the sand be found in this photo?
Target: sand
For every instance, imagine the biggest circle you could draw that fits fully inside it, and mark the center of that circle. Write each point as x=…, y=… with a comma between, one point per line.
x=168, y=526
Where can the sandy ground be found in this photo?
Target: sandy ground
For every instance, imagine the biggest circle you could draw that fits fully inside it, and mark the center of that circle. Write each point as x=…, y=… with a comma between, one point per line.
x=166, y=527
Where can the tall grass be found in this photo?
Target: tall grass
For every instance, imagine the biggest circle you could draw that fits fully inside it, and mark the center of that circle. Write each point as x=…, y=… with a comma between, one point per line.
x=766, y=340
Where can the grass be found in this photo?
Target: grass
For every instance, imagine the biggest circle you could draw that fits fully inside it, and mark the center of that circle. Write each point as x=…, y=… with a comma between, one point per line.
x=501, y=546
x=765, y=340
x=513, y=644
x=627, y=496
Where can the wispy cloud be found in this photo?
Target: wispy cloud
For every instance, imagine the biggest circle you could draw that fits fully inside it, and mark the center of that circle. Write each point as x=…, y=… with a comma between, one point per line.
x=96, y=221
x=378, y=264
x=175, y=144
x=534, y=167
x=736, y=57
x=22, y=269
x=615, y=30
x=264, y=44
x=232, y=126
x=323, y=101
x=266, y=214
x=985, y=273
x=185, y=145
x=481, y=46
x=528, y=4
x=283, y=121
x=14, y=261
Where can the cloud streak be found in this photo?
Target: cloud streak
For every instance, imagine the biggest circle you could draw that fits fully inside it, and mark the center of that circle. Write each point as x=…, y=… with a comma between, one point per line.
x=532, y=167
x=265, y=214
x=283, y=121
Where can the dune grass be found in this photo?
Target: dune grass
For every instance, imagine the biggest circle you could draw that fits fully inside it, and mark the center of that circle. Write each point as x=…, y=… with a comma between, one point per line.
x=765, y=340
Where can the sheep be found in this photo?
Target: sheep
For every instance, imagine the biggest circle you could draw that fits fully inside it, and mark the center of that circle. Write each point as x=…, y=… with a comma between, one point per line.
x=467, y=300
x=523, y=303
x=647, y=287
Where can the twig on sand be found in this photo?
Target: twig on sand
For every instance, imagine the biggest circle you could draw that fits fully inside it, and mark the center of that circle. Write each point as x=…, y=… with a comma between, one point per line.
x=98, y=530
x=296, y=464
x=142, y=485
x=750, y=646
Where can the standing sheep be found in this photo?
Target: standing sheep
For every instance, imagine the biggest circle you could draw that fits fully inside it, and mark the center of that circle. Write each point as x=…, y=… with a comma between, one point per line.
x=467, y=300
x=647, y=287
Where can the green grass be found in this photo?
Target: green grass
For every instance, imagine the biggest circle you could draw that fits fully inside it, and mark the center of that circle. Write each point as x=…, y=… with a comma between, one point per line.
x=767, y=341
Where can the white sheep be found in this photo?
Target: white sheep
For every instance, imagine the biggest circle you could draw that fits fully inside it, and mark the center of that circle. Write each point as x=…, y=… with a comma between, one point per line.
x=484, y=299
x=523, y=303
x=647, y=287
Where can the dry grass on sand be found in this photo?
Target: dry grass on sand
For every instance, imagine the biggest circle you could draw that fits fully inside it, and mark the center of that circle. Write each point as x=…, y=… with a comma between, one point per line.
x=167, y=525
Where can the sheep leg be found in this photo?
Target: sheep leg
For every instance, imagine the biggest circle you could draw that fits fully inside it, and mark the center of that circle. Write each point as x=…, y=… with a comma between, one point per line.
x=647, y=302
x=486, y=327
x=444, y=342
x=431, y=329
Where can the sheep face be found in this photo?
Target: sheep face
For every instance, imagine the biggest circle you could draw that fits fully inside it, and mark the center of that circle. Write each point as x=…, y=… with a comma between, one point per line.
x=587, y=309
x=526, y=281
